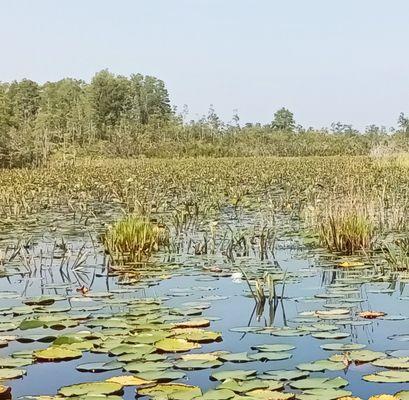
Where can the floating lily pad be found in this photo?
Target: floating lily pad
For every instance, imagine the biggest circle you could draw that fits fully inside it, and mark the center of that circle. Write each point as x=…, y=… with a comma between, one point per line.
x=236, y=374
x=319, y=383
x=57, y=353
x=176, y=345
x=9, y=373
x=174, y=391
x=160, y=376
x=321, y=365
x=388, y=377
x=91, y=388
x=270, y=348
x=287, y=375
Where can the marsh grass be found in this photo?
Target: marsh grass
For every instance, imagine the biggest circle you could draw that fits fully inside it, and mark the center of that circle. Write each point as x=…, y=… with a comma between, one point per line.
x=347, y=232
x=134, y=238
x=397, y=255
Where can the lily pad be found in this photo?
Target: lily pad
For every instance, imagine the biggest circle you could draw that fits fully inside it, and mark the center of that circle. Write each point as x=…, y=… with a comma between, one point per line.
x=176, y=345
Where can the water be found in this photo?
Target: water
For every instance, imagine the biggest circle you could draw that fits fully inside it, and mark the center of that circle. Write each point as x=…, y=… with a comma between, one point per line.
x=306, y=279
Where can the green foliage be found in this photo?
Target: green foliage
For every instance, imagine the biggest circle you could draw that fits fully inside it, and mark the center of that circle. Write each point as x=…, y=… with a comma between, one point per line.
x=118, y=116
x=284, y=120
x=347, y=232
x=134, y=238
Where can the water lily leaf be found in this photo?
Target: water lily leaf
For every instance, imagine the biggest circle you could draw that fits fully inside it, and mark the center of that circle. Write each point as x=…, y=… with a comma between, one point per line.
x=330, y=335
x=31, y=324
x=323, y=394
x=235, y=357
x=319, y=383
x=147, y=366
x=197, y=364
x=221, y=394
x=402, y=395
x=270, y=348
x=148, y=337
x=140, y=349
x=10, y=362
x=204, y=356
x=244, y=386
x=91, y=388
x=270, y=395
x=321, y=365
x=287, y=332
x=333, y=312
x=130, y=380
x=57, y=353
x=193, y=323
x=171, y=391
x=342, y=346
x=9, y=373
x=287, y=375
x=246, y=329
x=388, y=377
x=99, y=366
x=197, y=335
x=237, y=374
x=393, y=363
x=160, y=376
x=176, y=345
x=358, y=356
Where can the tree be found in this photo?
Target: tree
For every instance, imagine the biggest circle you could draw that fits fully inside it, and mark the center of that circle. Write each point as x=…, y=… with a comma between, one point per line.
x=403, y=123
x=24, y=102
x=283, y=120
x=108, y=95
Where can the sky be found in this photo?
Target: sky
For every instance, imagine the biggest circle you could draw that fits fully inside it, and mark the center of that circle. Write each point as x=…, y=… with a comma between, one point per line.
x=325, y=60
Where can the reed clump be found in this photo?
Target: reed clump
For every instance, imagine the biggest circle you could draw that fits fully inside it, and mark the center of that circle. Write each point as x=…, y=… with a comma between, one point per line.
x=347, y=231
x=134, y=238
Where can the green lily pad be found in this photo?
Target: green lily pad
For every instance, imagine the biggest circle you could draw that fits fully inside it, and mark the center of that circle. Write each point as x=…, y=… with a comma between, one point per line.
x=321, y=365
x=197, y=364
x=10, y=373
x=237, y=374
x=91, y=388
x=319, y=383
x=176, y=345
x=287, y=375
x=147, y=366
x=99, y=366
x=244, y=386
x=171, y=391
x=358, y=356
x=235, y=357
x=160, y=376
x=270, y=348
x=388, y=377
x=57, y=353
x=342, y=346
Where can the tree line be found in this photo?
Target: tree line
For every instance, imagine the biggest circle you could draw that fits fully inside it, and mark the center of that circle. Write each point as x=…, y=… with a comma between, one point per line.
x=120, y=116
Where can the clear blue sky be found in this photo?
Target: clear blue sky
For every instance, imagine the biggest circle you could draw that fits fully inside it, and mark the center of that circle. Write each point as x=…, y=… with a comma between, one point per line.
x=326, y=60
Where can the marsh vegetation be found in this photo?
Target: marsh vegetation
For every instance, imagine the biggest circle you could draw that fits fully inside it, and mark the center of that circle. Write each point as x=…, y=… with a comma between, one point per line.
x=205, y=278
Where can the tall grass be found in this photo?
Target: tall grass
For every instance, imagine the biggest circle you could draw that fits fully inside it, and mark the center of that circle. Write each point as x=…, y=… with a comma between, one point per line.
x=134, y=238
x=347, y=232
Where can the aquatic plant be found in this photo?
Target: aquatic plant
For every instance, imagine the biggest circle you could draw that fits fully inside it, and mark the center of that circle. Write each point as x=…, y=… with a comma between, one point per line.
x=347, y=232
x=134, y=238
x=397, y=254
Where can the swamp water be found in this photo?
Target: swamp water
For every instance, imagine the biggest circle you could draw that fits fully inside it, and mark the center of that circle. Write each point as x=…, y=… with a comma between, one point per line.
x=319, y=307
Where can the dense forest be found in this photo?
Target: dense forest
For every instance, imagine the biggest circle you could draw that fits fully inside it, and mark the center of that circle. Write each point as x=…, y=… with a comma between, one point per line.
x=118, y=116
